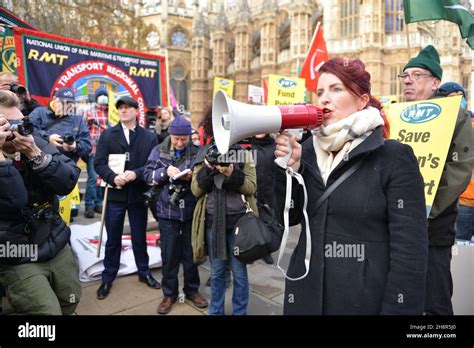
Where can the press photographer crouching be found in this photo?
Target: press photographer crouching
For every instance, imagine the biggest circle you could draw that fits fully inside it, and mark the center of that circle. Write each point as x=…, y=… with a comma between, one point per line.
x=173, y=208
x=37, y=267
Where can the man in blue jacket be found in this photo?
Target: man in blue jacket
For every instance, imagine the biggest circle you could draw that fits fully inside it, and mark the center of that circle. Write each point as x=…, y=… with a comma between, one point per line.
x=174, y=209
x=60, y=127
x=126, y=194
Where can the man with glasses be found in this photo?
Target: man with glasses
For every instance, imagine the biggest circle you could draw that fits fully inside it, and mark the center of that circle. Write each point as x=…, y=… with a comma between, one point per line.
x=421, y=78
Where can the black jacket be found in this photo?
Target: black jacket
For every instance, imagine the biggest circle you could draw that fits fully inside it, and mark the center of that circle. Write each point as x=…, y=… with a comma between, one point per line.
x=21, y=188
x=265, y=167
x=381, y=210
x=454, y=180
x=113, y=141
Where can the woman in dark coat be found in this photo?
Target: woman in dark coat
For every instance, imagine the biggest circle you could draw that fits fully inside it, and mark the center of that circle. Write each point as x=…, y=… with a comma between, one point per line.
x=369, y=238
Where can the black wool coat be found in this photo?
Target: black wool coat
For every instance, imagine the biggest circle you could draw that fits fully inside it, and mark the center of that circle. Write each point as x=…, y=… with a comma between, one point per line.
x=113, y=141
x=380, y=209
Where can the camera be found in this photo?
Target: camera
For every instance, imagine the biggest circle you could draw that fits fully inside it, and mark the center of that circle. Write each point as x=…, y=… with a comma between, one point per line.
x=151, y=195
x=69, y=139
x=17, y=89
x=23, y=127
x=176, y=191
x=213, y=156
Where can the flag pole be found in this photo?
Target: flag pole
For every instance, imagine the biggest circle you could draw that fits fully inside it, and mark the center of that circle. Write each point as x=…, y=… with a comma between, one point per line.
x=408, y=38
x=311, y=43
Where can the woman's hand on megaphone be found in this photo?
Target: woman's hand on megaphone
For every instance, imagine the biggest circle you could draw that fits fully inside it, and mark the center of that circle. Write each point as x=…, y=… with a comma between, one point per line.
x=283, y=142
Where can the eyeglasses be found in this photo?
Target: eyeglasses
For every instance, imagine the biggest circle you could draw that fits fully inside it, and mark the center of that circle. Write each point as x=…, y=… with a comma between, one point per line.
x=415, y=76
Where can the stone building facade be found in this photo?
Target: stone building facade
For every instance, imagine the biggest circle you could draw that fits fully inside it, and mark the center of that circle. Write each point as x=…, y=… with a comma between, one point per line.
x=247, y=40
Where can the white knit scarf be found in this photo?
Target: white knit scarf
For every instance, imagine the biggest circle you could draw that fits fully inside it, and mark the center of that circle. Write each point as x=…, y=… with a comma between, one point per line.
x=333, y=143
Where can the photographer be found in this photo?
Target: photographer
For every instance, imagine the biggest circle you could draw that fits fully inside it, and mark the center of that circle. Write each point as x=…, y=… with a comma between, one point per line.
x=219, y=187
x=174, y=209
x=44, y=280
x=9, y=82
x=60, y=127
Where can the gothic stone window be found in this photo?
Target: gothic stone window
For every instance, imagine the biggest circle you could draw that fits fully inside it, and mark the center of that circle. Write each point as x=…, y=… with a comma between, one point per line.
x=395, y=83
x=180, y=86
x=178, y=38
x=349, y=14
x=393, y=16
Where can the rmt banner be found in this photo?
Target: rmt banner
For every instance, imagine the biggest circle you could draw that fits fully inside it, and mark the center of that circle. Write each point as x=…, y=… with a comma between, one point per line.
x=48, y=62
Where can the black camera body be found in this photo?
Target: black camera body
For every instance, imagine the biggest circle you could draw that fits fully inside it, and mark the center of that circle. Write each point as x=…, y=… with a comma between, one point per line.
x=69, y=139
x=176, y=192
x=17, y=88
x=151, y=195
x=213, y=156
x=23, y=127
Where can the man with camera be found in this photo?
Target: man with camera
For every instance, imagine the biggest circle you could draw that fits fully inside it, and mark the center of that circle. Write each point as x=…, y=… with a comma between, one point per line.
x=9, y=82
x=173, y=206
x=126, y=193
x=60, y=127
x=39, y=271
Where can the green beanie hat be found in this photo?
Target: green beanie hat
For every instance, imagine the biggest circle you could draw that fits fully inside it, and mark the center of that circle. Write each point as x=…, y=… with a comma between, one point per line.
x=428, y=58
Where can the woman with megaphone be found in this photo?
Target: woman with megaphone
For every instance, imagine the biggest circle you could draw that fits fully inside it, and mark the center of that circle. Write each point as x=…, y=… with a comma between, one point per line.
x=365, y=207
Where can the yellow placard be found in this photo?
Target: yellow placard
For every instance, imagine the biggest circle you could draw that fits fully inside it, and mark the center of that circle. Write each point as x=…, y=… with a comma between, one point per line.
x=226, y=85
x=65, y=208
x=75, y=197
x=427, y=126
x=283, y=90
x=113, y=112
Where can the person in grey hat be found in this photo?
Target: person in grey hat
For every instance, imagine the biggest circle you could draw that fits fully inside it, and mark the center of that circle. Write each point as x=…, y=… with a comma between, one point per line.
x=421, y=78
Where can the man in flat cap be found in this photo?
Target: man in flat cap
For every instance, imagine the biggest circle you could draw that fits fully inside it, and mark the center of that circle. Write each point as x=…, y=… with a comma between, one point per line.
x=126, y=192
x=421, y=78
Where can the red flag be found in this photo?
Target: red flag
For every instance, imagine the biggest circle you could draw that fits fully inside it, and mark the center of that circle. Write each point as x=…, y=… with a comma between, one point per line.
x=317, y=55
x=265, y=92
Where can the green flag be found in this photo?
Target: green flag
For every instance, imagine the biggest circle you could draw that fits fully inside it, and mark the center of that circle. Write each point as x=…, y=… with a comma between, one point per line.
x=449, y=10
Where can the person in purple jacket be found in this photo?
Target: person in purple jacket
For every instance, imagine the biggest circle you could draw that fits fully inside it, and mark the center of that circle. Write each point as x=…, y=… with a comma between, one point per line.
x=174, y=209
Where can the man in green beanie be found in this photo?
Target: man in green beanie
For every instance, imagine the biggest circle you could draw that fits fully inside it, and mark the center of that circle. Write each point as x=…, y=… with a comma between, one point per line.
x=421, y=78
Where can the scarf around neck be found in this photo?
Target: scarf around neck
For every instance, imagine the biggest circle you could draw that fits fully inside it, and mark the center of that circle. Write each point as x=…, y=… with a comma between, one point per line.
x=334, y=142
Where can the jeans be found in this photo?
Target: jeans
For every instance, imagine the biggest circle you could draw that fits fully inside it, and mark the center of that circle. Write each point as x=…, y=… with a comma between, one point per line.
x=465, y=223
x=176, y=248
x=93, y=196
x=240, y=295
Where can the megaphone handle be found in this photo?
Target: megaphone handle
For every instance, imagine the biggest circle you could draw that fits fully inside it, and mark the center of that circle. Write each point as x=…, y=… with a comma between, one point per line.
x=283, y=161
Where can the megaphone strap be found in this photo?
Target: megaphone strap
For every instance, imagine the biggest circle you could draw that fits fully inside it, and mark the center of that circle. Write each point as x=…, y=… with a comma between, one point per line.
x=289, y=175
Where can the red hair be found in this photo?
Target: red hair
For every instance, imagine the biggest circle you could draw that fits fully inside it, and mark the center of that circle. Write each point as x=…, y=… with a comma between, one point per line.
x=356, y=79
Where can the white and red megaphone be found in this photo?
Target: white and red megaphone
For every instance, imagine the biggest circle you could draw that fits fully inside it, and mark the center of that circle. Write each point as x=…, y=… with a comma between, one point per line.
x=233, y=121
